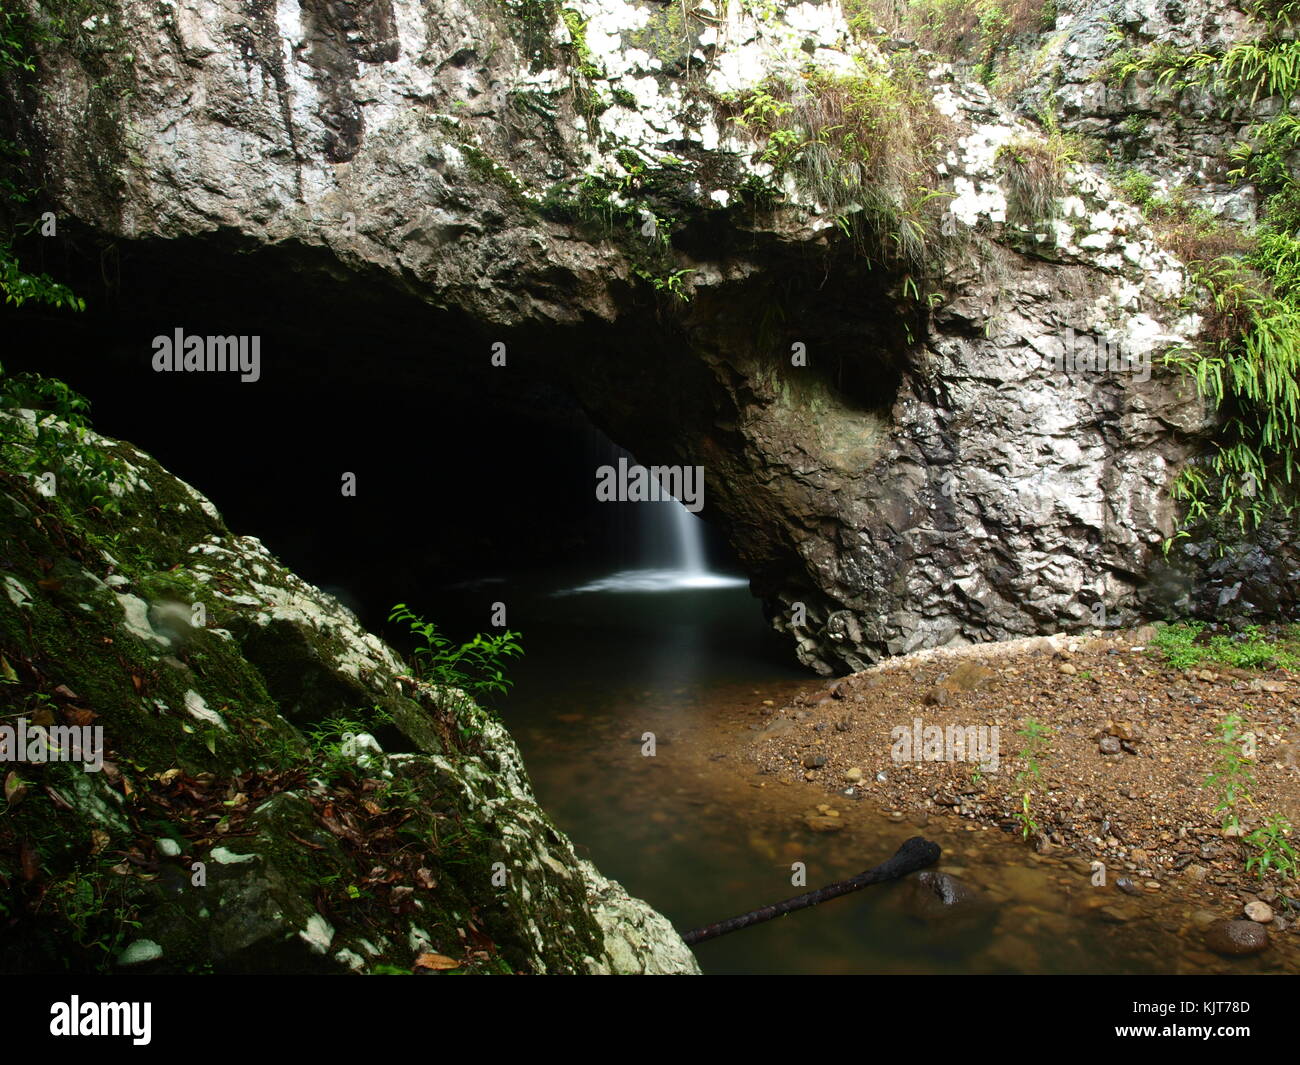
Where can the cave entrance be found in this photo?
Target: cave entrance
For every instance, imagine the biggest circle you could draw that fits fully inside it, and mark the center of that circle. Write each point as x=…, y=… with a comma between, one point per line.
x=468, y=479
x=475, y=486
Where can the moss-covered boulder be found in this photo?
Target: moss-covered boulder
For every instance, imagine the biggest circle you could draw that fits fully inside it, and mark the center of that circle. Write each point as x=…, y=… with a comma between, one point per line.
x=274, y=791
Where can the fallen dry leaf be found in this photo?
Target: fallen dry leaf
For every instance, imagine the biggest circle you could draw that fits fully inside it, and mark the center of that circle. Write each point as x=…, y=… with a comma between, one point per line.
x=436, y=961
x=15, y=789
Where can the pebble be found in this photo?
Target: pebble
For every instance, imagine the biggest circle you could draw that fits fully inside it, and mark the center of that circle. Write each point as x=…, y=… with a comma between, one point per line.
x=1067, y=669
x=1260, y=912
x=854, y=774
x=1110, y=745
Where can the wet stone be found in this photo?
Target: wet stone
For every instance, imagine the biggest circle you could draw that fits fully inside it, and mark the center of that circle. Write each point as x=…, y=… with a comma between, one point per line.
x=1236, y=938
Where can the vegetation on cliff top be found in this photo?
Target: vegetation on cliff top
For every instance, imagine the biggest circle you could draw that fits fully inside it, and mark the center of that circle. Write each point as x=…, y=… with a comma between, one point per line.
x=865, y=145
x=1249, y=363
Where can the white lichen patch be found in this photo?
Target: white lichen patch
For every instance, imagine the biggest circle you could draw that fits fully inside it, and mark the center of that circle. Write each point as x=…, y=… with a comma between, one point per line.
x=318, y=934
x=93, y=798
x=224, y=856
x=637, y=938
x=418, y=940
x=363, y=750
x=142, y=950
x=971, y=203
x=136, y=612
x=196, y=707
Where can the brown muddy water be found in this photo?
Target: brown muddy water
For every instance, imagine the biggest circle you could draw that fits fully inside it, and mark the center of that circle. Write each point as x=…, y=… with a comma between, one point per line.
x=700, y=834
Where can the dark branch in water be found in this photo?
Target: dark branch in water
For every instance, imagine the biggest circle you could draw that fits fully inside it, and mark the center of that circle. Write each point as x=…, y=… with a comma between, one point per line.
x=915, y=854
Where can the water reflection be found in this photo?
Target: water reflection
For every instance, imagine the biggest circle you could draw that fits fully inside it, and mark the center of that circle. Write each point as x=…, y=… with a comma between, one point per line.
x=702, y=836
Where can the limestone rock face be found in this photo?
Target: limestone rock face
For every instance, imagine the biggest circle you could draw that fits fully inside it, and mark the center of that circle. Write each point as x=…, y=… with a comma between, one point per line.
x=1180, y=137
x=209, y=666
x=941, y=471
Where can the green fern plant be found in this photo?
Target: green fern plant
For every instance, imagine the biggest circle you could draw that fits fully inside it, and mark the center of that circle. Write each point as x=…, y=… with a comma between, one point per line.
x=1249, y=367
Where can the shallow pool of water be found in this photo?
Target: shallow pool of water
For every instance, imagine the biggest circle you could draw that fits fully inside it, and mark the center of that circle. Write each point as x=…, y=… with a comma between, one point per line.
x=701, y=835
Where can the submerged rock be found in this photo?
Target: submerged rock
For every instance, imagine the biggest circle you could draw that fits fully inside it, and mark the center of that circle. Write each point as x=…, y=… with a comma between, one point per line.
x=1236, y=938
x=931, y=896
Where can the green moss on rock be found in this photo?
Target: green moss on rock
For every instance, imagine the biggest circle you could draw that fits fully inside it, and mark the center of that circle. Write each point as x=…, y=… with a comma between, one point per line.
x=215, y=838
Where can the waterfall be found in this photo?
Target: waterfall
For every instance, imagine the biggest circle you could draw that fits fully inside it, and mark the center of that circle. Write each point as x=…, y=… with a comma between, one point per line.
x=669, y=539
x=689, y=537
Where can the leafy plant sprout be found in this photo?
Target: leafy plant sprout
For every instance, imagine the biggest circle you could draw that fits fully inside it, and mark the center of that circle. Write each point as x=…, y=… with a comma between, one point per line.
x=463, y=672
x=1035, y=735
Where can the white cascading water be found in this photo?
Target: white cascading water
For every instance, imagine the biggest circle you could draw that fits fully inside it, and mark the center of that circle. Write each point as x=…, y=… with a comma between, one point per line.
x=688, y=540
x=670, y=547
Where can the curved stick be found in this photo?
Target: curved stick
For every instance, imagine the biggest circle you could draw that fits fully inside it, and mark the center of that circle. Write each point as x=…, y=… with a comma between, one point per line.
x=914, y=854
